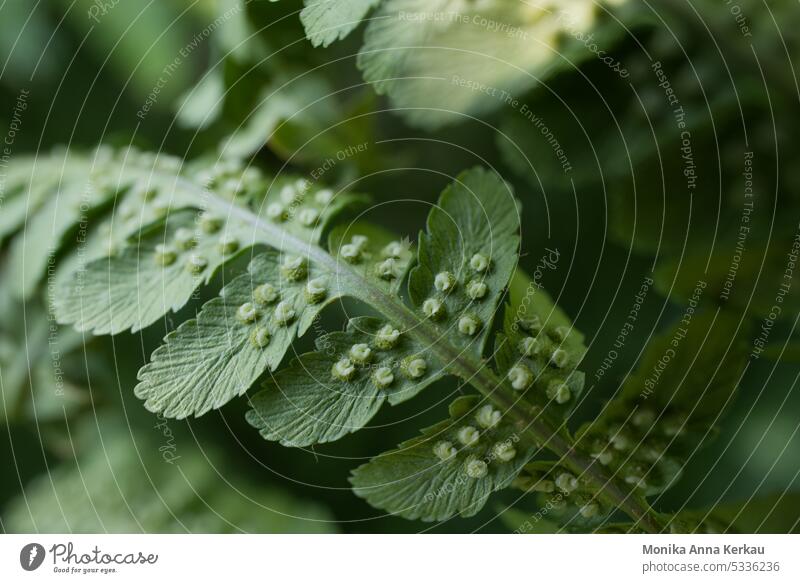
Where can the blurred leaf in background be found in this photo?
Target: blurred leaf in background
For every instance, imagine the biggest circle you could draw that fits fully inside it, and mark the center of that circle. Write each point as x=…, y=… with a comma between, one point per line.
x=151, y=480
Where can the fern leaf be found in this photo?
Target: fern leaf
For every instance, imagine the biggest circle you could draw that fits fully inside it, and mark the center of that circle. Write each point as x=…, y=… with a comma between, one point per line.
x=471, y=241
x=27, y=185
x=105, y=234
x=158, y=269
x=452, y=468
x=336, y=390
x=379, y=257
x=539, y=351
x=50, y=207
x=327, y=21
x=465, y=261
x=467, y=258
x=156, y=272
x=218, y=356
x=208, y=361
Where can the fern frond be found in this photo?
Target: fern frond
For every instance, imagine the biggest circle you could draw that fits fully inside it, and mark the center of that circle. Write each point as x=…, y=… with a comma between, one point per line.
x=205, y=218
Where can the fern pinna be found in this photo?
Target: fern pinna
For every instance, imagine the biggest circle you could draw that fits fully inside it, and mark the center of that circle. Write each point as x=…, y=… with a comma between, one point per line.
x=136, y=235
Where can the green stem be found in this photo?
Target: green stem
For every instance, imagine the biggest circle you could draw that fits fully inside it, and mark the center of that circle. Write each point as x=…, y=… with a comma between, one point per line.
x=462, y=365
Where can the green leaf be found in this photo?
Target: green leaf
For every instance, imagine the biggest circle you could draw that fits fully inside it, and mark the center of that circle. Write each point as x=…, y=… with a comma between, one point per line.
x=153, y=274
x=539, y=351
x=104, y=234
x=159, y=269
x=475, y=217
x=415, y=483
x=672, y=403
x=202, y=104
x=158, y=483
x=31, y=182
x=75, y=192
x=48, y=231
x=467, y=257
x=326, y=21
x=15, y=209
x=310, y=402
x=210, y=360
x=239, y=38
x=441, y=61
x=377, y=255
x=567, y=500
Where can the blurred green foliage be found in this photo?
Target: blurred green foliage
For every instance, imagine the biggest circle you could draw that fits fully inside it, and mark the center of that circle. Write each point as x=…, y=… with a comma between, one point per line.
x=651, y=192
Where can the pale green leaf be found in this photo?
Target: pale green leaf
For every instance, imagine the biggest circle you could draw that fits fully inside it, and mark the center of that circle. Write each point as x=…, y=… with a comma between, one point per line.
x=136, y=287
x=326, y=21
x=239, y=38
x=208, y=361
x=29, y=183
x=443, y=60
x=381, y=258
x=477, y=215
x=48, y=231
x=101, y=235
x=202, y=104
